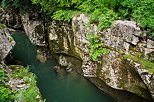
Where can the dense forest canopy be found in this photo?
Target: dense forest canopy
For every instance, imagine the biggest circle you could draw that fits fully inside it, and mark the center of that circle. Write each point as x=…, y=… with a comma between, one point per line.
x=104, y=12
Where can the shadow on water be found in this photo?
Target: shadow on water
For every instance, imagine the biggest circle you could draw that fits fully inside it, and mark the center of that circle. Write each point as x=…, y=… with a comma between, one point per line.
x=62, y=88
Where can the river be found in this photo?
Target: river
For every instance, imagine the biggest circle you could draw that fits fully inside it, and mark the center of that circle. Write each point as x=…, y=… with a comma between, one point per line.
x=66, y=87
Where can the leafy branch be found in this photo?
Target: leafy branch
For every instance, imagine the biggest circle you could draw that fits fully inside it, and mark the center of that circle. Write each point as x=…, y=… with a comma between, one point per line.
x=96, y=46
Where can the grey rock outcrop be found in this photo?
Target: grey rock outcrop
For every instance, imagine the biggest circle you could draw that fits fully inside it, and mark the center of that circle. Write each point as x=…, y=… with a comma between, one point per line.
x=10, y=18
x=6, y=43
x=147, y=77
x=34, y=30
x=112, y=68
x=42, y=54
x=122, y=35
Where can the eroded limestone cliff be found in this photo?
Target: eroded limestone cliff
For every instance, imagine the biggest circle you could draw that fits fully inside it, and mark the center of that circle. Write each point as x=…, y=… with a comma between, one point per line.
x=112, y=68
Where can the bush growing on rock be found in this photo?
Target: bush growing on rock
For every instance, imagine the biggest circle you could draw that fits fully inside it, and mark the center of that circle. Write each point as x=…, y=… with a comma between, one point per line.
x=103, y=12
x=21, y=87
x=138, y=10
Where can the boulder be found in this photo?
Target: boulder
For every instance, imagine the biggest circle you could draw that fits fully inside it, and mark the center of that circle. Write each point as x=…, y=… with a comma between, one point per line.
x=10, y=18
x=34, y=30
x=6, y=43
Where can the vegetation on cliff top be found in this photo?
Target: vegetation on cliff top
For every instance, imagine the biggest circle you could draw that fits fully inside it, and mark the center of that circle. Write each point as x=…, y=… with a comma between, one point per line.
x=103, y=12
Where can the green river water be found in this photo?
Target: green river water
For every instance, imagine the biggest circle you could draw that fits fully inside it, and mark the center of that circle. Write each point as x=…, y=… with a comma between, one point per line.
x=65, y=87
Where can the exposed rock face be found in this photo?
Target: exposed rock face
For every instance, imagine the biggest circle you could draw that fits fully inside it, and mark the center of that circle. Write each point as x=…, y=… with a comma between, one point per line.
x=42, y=54
x=146, y=76
x=132, y=41
x=122, y=35
x=112, y=68
x=6, y=43
x=10, y=18
x=150, y=44
x=15, y=83
x=34, y=30
x=61, y=39
x=32, y=24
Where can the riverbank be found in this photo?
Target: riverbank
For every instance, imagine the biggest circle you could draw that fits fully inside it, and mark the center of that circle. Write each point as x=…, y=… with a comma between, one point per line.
x=18, y=84
x=61, y=87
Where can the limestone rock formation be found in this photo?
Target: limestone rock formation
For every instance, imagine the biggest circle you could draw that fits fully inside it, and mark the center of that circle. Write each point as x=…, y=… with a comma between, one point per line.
x=147, y=77
x=10, y=18
x=34, y=30
x=112, y=68
x=6, y=43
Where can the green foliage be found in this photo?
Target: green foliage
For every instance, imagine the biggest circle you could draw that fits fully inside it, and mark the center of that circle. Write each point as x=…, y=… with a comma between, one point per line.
x=6, y=94
x=95, y=15
x=106, y=19
x=96, y=47
x=2, y=75
x=31, y=92
x=2, y=26
x=28, y=94
x=103, y=12
x=65, y=15
x=20, y=70
x=50, y=6
x=58, y=9
x=87, y=6
x=152, y=34
x=74, y=27
x=6, y=3
x=22, y=5
x=104, y=16
x=144, y=63
x=65, y=10
x=140, y=10
x=99, y=12
x=106, y=11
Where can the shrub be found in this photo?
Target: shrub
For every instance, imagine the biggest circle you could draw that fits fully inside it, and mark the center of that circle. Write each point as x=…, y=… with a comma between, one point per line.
x=103, y=11
x=28, y=94
x=65, y=15
x=50, y=6
x=96, y=47
x=2, y=75
x=140, y=10
x=22, y=5
x=6, y=94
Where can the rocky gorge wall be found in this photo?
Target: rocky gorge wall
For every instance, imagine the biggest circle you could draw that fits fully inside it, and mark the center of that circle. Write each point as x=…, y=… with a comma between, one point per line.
x=6, y=43
x=68, y=44
x=112, y=68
